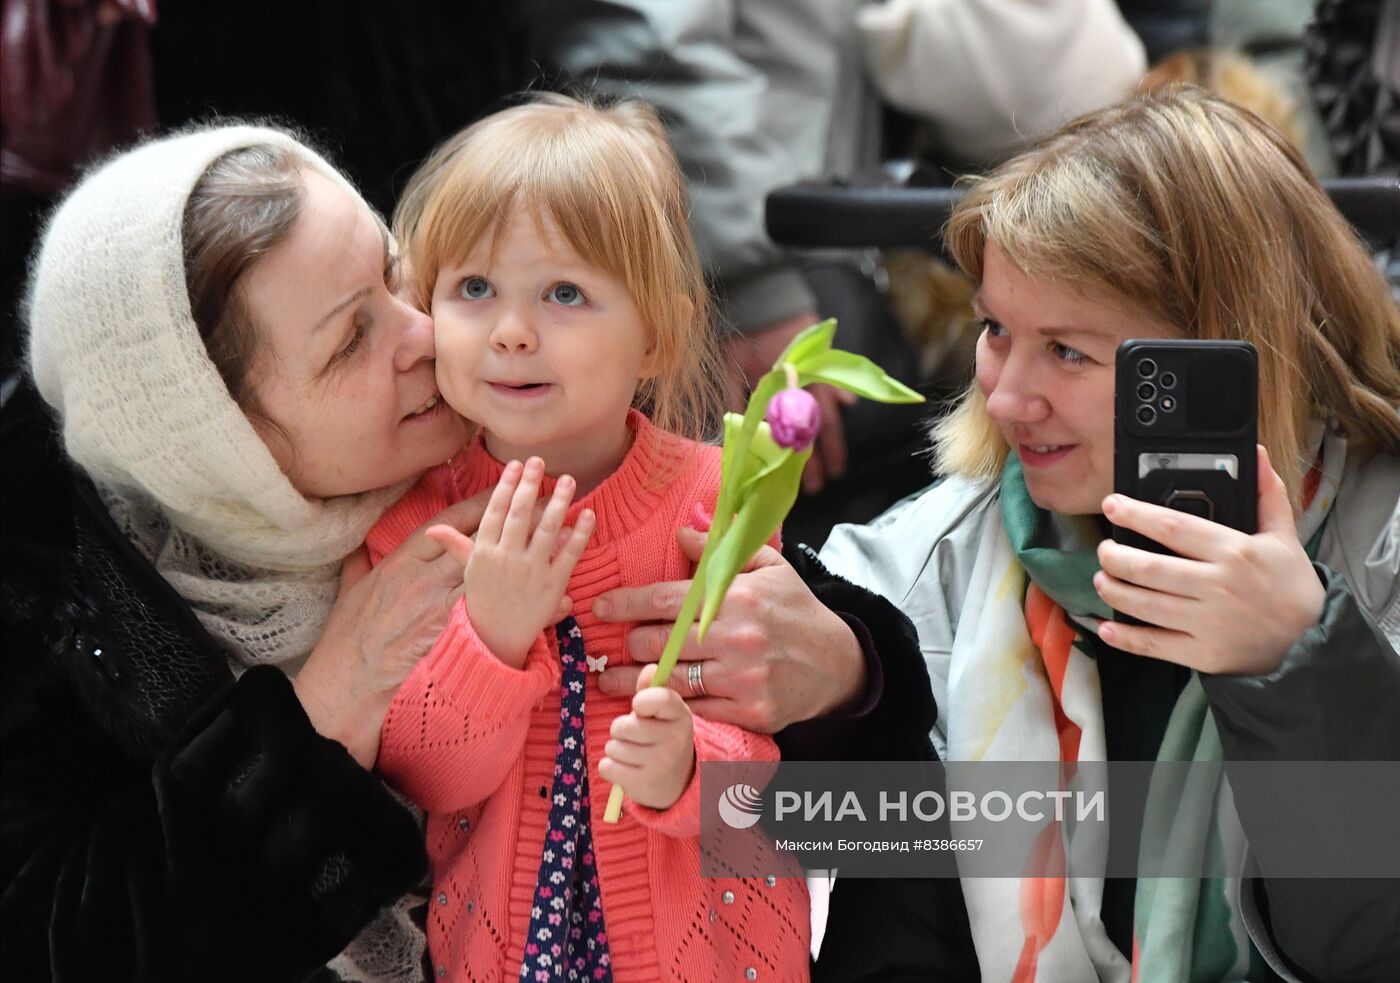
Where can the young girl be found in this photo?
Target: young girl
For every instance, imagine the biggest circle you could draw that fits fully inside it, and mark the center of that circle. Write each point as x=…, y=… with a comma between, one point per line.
x=551, y=245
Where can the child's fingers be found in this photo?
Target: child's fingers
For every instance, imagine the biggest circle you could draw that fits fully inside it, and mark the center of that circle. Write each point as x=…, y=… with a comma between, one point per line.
x=552, y=520
x=565, y=608
x=561, y=567
x=493, y=519
x=631, y=728
x=522, y=505
x=660, y=703
x=616, y=773
x=568, y=555
x=458, y=547
x=561, y=539
x=626, y=752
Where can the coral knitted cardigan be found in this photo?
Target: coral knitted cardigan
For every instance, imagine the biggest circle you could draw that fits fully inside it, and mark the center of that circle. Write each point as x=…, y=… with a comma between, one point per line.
x=473, y=742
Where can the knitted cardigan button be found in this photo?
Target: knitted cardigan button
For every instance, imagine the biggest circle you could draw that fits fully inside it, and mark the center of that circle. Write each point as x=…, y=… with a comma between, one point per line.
x=750, y=973
x=442, y=899
x=713, y=915
x=728, y=897
x=442, y=971
x=771, y=881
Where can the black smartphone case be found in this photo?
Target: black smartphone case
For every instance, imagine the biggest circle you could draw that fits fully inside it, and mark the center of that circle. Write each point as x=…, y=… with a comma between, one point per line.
x=1211, y=409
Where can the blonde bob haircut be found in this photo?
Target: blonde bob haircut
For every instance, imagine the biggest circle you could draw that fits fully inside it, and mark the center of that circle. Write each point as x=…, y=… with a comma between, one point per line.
x=606, y=177
x=1197, y=212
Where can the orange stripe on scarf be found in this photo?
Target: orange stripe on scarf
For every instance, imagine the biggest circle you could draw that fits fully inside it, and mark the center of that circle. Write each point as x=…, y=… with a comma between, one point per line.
x=1043, y=879
x=1042, y=899
x=1052, y=634
x=1312, y=480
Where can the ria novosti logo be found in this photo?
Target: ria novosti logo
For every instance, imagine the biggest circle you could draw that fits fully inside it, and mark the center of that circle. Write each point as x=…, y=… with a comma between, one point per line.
x=741, y=806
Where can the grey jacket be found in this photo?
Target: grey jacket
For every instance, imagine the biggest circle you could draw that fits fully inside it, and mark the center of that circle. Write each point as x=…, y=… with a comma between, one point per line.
x=1336, y=695
x=759, y=94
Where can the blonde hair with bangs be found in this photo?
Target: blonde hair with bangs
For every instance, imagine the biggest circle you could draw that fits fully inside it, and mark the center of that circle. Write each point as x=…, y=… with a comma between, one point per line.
x=1199, y=213
x=606, y=177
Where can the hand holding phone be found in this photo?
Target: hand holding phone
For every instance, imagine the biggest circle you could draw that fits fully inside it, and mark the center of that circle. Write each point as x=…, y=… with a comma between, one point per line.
x=1231, y=587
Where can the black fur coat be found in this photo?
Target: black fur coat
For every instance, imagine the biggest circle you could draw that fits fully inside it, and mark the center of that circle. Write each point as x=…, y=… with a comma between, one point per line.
x=159, y=821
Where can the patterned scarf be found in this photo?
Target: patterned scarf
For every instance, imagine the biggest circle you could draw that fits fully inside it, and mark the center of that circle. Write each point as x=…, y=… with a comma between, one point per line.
x=1024, y=686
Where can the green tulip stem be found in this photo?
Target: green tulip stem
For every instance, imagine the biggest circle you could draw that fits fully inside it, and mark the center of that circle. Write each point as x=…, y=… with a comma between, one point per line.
x=690, y=607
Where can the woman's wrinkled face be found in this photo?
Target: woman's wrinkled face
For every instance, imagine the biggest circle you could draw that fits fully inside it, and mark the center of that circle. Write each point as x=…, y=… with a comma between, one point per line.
x=1045, y=362
x=346, y=367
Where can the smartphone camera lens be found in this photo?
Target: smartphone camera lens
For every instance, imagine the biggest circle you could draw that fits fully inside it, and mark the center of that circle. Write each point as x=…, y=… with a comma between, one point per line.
x=1146, y=391
x=1168, y=380
x=1147, y=368
x=1146, y=415
x=1168, y=404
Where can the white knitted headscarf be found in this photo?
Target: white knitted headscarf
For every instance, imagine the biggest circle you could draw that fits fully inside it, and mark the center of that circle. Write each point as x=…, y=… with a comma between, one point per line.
x=115, y=351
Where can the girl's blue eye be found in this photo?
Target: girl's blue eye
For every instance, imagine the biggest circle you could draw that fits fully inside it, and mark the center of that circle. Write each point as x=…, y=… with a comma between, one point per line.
x=476, y=288
x=566, y=294
x=1067, y=354
x=993, y=328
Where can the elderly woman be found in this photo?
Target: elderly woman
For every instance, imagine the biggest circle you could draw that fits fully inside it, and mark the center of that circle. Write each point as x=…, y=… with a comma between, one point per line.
x=239, y=394
x=226, y=394
x=1178, y=216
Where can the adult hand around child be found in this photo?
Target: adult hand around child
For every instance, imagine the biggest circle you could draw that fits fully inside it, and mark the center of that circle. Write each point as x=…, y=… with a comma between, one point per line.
x=752, y=355
x=383, y=621
x=1228, y=603
x=651, y=753
x=773, y=656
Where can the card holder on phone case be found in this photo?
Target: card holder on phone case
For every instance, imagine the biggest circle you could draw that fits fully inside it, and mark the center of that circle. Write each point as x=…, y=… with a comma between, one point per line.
x=1213, y=495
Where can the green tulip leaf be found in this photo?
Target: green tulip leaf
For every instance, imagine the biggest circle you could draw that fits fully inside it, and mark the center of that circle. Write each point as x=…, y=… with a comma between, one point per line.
x=729, y=455
x=767, y=469
x=753, y=416
x=857, y=374
x=763, y=447
x=809, y=342
x=763, y=457
x=762, y=512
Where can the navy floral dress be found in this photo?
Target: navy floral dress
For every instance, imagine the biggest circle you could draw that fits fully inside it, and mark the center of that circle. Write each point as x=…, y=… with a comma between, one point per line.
x=567, y=939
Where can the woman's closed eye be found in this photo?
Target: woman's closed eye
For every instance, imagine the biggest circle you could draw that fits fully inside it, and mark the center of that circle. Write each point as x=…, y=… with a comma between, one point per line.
x=353, y=345
x=566, y=294
x=476, y=288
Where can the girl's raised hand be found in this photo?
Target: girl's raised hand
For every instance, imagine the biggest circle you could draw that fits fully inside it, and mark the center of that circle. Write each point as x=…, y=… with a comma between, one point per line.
x=651, y=753
x=1229, y=603
x=515, y=576
x=384, y=620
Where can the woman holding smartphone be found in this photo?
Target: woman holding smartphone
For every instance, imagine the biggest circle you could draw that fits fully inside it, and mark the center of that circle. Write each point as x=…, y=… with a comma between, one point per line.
x=1169, y=216
x=1178, y=217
